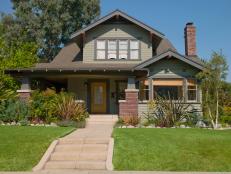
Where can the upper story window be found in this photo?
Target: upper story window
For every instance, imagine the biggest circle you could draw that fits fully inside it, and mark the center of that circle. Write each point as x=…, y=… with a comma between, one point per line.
x=111, y=49
x=120, y=49
x=101, y=49
x=123, y=49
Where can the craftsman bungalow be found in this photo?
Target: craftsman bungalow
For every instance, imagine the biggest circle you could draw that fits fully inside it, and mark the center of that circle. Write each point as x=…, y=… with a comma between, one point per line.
x=116, y=64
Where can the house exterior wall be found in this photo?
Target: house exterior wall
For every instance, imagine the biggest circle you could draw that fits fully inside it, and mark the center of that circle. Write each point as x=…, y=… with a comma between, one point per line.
x=172, y=68
x=77, y=85
x=117, y=31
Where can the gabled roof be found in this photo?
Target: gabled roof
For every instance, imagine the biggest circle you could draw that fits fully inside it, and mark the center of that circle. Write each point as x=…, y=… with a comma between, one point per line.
x=117, y=13
x=193, y=61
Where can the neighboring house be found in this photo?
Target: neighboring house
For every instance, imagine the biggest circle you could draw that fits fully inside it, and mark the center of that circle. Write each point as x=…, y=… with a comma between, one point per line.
x=116, y=64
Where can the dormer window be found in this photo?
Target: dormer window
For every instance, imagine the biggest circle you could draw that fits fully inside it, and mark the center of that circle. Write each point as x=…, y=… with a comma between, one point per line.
x=117, y=49
x=112, y=49
x=101, y=49
x=123, y=49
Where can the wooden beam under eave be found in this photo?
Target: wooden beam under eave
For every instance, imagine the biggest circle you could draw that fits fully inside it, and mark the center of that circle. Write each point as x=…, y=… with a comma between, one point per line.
x=117, y=17
x=150, y=36
x=84, y=38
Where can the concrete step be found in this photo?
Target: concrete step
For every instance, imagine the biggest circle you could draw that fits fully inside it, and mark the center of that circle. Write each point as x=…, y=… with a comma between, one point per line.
x=91, y=165
x=60, y=165
x=69, y=156
x=83, y=165
x=84, y=140
x=78, y=147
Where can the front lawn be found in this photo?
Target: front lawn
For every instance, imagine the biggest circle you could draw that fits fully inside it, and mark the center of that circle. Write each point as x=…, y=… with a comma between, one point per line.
x=172, y=149
x=21, y=148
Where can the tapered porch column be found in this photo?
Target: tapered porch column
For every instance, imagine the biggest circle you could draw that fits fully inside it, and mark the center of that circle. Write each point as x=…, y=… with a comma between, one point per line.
x=129, y=106
x=25, y=91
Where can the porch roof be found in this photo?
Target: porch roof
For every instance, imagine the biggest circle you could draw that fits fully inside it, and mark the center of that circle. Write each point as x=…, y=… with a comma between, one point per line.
x=77, y=66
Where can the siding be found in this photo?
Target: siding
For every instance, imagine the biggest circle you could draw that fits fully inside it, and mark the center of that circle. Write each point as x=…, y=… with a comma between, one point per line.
x=116, y=31
x=176, y=68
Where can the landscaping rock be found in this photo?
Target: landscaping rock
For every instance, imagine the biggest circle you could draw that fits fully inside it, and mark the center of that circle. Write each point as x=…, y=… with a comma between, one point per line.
x=130, y=126
x=124, y=127
x=188, y=127
x=8, y=124
x=53, y=124
x=182, y=126
x=200, y=124
x=13, y=123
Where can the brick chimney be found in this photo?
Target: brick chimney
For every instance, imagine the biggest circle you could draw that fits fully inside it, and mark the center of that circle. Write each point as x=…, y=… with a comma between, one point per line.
x=190, y=39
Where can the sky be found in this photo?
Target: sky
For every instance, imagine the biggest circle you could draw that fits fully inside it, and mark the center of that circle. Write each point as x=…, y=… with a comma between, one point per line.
x=212, y=19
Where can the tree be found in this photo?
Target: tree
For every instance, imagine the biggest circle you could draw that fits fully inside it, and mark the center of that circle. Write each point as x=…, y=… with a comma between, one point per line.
x=212, y=78
x=49, y=22
x=17, y=55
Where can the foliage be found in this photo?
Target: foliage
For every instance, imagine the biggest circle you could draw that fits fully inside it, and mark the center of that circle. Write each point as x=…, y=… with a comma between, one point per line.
x=50, y=23
x=130, y=120
x=68, y=109
x=149, y=115
x=13, y=110
x=43, y=105
x=50, y=106
x=166, y=112
x=18, y=55
x=212, y=78
x=70, y=123
x=6, y=93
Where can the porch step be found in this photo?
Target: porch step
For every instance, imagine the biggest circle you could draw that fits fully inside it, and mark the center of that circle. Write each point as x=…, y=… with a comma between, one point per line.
x=70, y=156
x=91, y=165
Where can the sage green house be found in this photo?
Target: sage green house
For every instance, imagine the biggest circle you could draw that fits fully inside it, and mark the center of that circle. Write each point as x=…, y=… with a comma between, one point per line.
x=117, y=64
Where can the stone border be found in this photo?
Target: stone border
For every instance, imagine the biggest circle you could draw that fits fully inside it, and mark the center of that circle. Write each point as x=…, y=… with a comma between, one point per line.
x=46, y=156
x=109, y=164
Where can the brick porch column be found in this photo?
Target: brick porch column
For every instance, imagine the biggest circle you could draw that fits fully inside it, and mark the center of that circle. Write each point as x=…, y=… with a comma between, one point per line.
x=129, y=106
x=25, y=91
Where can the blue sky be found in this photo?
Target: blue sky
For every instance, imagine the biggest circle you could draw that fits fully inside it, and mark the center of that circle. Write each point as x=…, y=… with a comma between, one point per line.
x=211, y=17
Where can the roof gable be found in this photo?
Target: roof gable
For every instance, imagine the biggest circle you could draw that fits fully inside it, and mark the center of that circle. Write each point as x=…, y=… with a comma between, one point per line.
x=168, y=54
x=122, y=14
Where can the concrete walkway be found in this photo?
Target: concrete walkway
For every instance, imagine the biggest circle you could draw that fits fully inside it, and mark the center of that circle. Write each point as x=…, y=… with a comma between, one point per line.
x=110, y=172
x=84, y=149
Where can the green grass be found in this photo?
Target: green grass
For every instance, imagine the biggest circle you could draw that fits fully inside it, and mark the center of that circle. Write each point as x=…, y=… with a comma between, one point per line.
x=21, y=148
x=172, y=149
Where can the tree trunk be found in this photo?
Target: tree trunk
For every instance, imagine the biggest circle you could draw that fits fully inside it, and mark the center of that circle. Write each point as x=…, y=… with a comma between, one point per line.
x=217, y=109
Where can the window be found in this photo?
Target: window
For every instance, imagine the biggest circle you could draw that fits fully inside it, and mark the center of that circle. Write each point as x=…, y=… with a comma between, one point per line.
x=123, y=49
x=168, y=92
x=168, y=88
x=134, y=49
x=192, y=90
x=143, y=90
x=112, y=49
x=101, y=49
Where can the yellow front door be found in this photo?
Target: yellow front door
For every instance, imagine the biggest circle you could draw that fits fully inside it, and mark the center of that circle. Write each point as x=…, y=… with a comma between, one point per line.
x=98, y=97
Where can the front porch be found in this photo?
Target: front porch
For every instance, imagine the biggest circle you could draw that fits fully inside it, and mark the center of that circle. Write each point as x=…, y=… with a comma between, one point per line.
x=117, y=94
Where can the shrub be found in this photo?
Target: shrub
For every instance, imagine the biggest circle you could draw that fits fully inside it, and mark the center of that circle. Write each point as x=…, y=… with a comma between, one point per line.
x=226, y=120
x=68, y=109
x=43, y=105
x=13, y=110
x=70, y=123
x=130, y=120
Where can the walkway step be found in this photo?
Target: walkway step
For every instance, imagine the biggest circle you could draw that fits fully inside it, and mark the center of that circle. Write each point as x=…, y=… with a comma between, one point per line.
x=84, y=140
x=91, y=165
x=60, y=165
x=65, y=156
x=84, y=148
